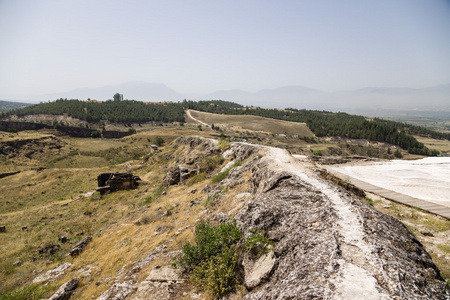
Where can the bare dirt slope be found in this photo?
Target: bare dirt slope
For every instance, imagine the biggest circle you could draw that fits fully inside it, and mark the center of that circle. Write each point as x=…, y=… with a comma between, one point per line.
x=252, y=123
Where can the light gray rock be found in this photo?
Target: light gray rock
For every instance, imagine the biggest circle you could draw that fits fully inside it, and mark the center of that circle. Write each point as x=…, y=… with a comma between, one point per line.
x=160, y=284
x=53, y=273
x=257, y=269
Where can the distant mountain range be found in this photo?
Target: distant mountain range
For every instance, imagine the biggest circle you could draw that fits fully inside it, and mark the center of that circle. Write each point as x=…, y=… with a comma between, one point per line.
x=361, y=100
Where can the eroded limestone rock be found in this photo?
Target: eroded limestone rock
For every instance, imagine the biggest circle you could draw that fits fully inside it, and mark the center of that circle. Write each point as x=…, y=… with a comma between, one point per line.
x=66, y=290
x=52, y=274
x=257, y=269
x=79, y=247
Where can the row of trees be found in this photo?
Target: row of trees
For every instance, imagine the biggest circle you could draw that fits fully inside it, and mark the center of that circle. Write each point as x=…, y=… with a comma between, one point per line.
x=322, y=123
x=112, y=110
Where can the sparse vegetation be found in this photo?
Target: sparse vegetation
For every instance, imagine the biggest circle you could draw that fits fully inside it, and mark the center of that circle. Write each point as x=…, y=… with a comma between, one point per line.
x=159, y=141
x=258, y=238
x=196, y=179
x=369, y=200
x=31, y=292
x=222, y=175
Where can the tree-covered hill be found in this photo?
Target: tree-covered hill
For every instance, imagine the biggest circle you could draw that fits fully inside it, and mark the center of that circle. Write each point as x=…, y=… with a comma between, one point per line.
x=322, y=123
x=119, y=111
x=8, y=105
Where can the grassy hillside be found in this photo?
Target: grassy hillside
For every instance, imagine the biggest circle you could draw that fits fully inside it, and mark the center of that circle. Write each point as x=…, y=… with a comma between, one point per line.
x=252, y=123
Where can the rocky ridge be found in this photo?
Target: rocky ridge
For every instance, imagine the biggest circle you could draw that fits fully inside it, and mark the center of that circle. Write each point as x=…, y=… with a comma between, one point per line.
x=330, y=244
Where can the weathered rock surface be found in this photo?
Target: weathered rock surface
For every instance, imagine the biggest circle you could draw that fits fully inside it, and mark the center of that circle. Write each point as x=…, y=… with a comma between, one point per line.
x=79, y=247
x=331, y=245
x=257, y=269
x=52, y=274
x=160, y=284
x=179, y=174
x=66, y=290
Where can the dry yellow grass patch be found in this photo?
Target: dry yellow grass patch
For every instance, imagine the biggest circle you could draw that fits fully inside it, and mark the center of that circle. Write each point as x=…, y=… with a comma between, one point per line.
x=441, y=145
x=253, y=123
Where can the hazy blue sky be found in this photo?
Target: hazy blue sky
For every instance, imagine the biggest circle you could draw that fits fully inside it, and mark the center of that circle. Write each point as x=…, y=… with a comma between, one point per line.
x=49, y=46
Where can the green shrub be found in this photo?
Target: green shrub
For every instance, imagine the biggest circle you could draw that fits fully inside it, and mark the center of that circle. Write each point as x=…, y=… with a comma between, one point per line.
x=370, y=201
x=96, y=134
x=159, y=141
x=217, y=274
x=222, y=175
x=213, y=259
x=317, y=152
x=209, y=241
x=211, y=163
x=223, y=144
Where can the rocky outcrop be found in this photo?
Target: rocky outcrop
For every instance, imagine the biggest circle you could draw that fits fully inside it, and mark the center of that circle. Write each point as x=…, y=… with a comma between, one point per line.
x=160, y=284
x=79, y=247
x=52, y=274
x=30, y=147
x=5, y=125
x=330, y=244
x=66, y=290
x=48, y=250
x=126, y=281
x=178, y=174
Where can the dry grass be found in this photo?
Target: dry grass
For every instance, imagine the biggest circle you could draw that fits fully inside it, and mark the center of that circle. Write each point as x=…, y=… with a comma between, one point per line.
x=252, y=123
x=420, y=222
x=441, y=145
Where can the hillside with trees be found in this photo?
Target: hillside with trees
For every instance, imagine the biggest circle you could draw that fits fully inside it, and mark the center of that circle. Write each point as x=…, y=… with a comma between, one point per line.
x=8, y=105
x=321, y=123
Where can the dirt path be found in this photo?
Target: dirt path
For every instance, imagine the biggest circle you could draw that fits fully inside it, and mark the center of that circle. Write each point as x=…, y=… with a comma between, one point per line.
x=354, y=281
x=188, y=113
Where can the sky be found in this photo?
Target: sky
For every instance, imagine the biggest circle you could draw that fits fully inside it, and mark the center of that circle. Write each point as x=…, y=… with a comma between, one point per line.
x=51, y=46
